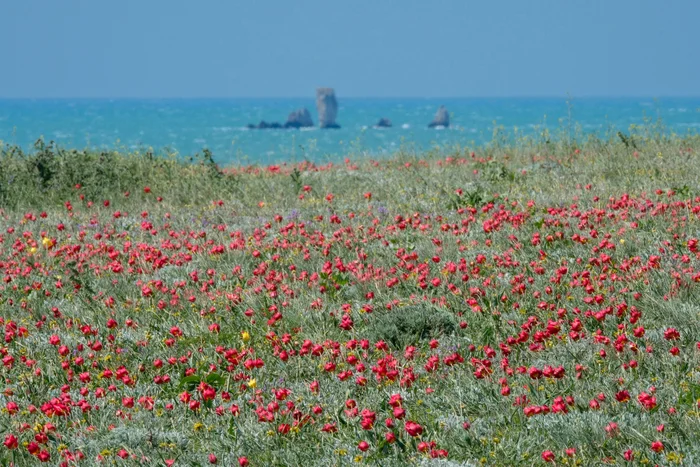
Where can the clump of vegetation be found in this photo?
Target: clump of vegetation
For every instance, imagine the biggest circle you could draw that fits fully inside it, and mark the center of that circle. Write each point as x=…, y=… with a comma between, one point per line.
x=412, y=324
x=50, y=173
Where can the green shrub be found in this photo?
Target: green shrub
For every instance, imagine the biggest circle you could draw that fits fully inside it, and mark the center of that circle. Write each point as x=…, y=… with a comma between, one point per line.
x=409, y=325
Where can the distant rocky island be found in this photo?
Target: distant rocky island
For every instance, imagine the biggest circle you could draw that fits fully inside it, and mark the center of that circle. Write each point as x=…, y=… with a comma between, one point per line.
x=383, y=123
x=327, y=108
x=298, y=119
x=442, y=118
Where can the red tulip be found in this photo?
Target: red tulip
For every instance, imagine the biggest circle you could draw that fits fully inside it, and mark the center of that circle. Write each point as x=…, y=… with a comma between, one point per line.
x=413, y=428
x=548, y=456
x=11, y=442
x=657, y=446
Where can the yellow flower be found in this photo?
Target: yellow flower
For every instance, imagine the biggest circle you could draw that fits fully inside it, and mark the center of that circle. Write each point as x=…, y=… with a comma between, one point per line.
x=245, y=335
x=252, y=383
x=197, y=426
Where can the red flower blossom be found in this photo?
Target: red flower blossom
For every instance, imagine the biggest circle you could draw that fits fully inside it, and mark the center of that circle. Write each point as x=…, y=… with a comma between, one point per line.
x=10, y=441
x=413, y=428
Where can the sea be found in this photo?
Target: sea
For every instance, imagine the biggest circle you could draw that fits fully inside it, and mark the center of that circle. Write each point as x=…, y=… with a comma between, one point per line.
x=186, y=126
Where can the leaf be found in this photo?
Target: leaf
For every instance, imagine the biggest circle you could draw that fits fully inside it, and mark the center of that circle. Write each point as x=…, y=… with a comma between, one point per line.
x=190, y=381
x=232, y=428
x=215, y=380
x=340, y=279
x=341, y=416
x=690, y=397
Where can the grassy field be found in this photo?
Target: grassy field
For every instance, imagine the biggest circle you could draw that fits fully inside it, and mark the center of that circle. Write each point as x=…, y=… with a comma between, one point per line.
x=534, y=303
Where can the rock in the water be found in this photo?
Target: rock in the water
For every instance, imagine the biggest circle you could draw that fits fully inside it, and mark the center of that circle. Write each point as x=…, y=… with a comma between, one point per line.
x=327, y=107
x=299, y=119
x=263, y=125
x=442, y=118
x=383, y=123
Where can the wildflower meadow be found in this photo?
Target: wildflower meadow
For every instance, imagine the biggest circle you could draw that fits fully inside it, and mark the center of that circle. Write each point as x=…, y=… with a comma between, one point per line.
x=523, y=303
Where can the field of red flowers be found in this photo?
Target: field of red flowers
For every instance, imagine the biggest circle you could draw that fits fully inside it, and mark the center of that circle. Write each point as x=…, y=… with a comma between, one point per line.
x=510, y=306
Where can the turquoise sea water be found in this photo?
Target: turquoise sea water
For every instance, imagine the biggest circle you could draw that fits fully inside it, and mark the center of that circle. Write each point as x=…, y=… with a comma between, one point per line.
x=188, y=126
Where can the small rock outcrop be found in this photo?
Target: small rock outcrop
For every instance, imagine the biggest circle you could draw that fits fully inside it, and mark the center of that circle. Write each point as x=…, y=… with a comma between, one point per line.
x=263, y=125
x=442, y=118
x=299, y=119
x=327, y=107
x=383, y=123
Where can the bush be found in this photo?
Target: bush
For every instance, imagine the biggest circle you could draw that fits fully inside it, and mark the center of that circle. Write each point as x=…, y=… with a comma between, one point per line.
x=409, y=325
x=50, y=174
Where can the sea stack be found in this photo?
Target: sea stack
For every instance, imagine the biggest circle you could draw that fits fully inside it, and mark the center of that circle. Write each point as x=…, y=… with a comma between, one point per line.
x=442, y=118
x=327, y=107
x=299, y=119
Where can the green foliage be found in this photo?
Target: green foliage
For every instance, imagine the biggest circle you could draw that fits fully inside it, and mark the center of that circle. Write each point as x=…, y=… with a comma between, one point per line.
x=628, y=141
x=474, y=198
x=296, y=179
x=51, y=173
x=409, y=325
x=495, y=171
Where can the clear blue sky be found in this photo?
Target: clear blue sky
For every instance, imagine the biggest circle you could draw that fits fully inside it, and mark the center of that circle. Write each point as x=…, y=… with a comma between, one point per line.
x=402, y=48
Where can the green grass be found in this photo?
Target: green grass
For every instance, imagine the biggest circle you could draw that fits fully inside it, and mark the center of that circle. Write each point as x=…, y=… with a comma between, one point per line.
x=423, y=269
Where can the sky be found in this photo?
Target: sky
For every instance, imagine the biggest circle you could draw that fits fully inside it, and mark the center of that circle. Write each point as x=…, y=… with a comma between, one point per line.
x=362, y=48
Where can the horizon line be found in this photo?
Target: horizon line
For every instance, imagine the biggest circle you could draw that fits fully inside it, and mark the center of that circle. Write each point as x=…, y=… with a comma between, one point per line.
x=534, y=96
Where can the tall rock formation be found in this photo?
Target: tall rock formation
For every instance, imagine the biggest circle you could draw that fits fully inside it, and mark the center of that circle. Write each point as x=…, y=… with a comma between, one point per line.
x=327, y=107
x=442, y=118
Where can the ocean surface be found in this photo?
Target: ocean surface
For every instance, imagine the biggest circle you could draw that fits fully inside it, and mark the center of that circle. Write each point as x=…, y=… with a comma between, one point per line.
x=186, y=126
